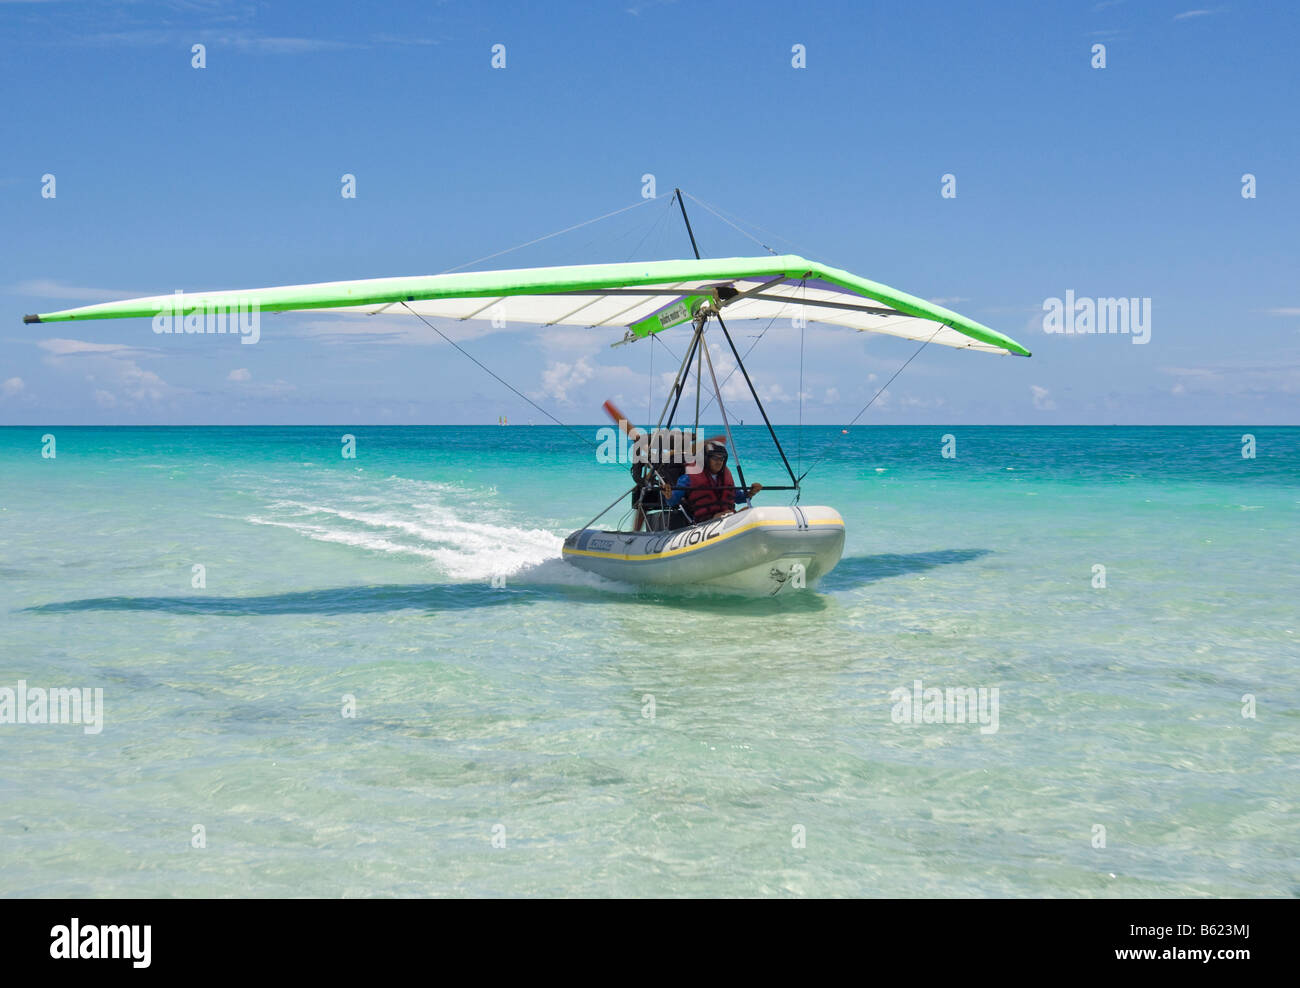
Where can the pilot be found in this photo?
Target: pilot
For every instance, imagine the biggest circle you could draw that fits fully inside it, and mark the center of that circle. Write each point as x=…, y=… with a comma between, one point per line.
x=712, y=492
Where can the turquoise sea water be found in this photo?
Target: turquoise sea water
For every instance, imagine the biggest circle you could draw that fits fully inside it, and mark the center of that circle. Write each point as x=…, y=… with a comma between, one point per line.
x=523, y=711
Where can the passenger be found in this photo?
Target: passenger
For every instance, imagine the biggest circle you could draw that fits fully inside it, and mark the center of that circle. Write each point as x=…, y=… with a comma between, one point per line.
x=712, y=492
x=661, y=465
x=646, y=499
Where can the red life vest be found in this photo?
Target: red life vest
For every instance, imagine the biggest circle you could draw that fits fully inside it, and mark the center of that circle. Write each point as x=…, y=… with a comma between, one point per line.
x=707, y=497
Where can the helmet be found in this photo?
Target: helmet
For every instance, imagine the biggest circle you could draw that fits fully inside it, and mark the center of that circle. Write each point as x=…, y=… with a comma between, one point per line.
x=715, y=449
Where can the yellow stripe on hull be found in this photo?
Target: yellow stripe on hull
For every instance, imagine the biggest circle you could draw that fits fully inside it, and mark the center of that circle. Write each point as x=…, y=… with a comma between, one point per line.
x=758, y=550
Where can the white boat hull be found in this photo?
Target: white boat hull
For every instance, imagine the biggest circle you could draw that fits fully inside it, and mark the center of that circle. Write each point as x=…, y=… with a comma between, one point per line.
x=758, y=551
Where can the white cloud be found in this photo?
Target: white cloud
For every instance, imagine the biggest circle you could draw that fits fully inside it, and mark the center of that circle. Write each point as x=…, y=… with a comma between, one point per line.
x=254, y=43
x=724, y=367
x=730, y=380
x=577, y=341
x=52, y=288
x=1205, y=372
x=70, y=348
x=635, y=11
x=241, y=374
x=397, y=327
x=771, y=393
x=559, y=378
x=1239, y=379
x=245, y=41
x=910, y=402
x=402, y=39
x=1042, y=400
x=112, y=369
x=136, y=384
x=275, y=389
x=1187, y=14
x=665, y=382
x=12, y=386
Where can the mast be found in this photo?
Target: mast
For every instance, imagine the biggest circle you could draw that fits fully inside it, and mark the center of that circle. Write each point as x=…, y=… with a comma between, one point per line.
x=697, y=341
x=687, y=220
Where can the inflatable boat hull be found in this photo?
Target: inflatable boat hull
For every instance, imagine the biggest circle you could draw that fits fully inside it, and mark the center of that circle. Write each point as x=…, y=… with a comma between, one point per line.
x=758, y=551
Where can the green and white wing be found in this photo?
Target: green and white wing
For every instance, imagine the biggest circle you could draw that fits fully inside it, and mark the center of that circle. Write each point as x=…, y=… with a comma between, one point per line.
x=636, y=298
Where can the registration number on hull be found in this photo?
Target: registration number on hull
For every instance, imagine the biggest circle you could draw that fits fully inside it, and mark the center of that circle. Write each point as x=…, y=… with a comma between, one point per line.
x=681, y=540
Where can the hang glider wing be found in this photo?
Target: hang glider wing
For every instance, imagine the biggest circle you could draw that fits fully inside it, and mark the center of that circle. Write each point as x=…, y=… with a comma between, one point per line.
x=638, y=298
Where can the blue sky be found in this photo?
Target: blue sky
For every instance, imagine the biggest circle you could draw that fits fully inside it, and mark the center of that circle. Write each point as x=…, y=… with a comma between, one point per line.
x=1121, y=181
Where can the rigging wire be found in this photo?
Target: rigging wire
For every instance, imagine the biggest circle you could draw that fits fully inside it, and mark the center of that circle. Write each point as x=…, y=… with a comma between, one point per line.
x=610, y=505
x=875, y=396
x=548, y=236
x=500, y=379
x=719, y=213
x=726, y=425
x=743, y=233
x=698, y=341
x=663, y=214
x=717, y=389
x=655, y=337
x=770, y=323
x=650, y=402
x=803, y=328
x=746, y=357
x=757, y=401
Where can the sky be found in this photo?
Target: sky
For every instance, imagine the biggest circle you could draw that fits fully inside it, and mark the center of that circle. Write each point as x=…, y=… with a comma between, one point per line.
x=1119, y=181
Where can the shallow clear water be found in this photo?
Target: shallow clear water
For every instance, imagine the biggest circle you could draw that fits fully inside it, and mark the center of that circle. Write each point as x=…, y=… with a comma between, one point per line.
x=525, y=707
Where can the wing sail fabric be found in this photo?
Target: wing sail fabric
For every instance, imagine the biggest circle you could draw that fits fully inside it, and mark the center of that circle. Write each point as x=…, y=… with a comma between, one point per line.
x=638, y=298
